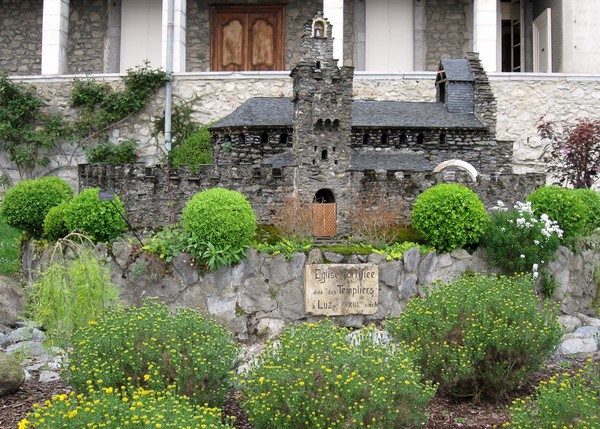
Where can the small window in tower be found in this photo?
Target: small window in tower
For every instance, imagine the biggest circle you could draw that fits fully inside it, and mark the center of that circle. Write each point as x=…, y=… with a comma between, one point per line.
x=319, y=124
x=384, y=138
x=315, y=148
x=333, y=149
x=314, y=162
x=242, y=138
x=318, y=65
x=403, y=138
x=336, y=124
x=324, y=155
x=366, y=139
x=328, y=124
x=264, y=138
x=442, y=138
x=277, y=172
x=420, y=138
x=283, y=138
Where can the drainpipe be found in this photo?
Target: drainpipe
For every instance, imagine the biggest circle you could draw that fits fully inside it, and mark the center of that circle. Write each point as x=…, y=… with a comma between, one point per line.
x=169, y=71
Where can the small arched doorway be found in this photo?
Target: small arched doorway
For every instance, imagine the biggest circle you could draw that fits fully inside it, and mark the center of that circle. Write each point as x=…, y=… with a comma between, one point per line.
x=324, y=214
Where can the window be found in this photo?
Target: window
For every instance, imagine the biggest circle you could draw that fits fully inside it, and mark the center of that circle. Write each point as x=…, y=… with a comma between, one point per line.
x=511, y=36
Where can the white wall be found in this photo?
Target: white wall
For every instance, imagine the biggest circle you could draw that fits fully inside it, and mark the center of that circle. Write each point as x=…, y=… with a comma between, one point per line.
x=141, y=33
x=389, y=35
x=581, y=36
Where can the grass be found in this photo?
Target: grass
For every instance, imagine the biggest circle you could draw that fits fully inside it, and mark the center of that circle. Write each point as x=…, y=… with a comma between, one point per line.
x=9, y=249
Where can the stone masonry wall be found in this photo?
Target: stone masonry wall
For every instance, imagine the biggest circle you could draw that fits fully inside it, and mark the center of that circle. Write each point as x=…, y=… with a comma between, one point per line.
x=448, y=30
x=257, y=297
x=155, y=196
x=21, y=37
x=87, y=31
x=521, y=100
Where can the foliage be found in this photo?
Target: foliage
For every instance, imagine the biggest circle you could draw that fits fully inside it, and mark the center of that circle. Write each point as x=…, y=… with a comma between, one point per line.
x=27, y=203
x=100, y=105
x=294, y=221
x=119, y=407
x=563, y=206
x=320, y=375
x=573, y=153
x=73, y=289
x=194, y=151
x=173, y=240
x=54, y=222
x=102, y=221
x=123, y=152
x=9, y=249
x=182, y=123
x=565, y=401
x=591, y=199
x=449, y=216
x=26, y=133
x=286, y=247
x=478, y=336
x=519, y=241
x=221, y=217
x=373, y=219
x=154, y=348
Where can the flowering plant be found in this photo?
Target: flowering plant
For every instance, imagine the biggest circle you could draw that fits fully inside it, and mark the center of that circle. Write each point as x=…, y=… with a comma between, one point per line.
x=518, y=241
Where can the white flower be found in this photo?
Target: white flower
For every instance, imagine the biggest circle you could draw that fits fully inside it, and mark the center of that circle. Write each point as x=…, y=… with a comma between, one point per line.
x=522, y=256
x=536, y=275
x=535, y=267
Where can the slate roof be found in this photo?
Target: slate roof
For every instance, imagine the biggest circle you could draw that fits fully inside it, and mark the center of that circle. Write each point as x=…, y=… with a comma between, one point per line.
x=457, y=69
x=264, y=112
x=389, y=160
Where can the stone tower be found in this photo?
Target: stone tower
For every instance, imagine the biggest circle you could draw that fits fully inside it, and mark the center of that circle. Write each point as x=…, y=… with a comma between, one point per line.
x=322, y=121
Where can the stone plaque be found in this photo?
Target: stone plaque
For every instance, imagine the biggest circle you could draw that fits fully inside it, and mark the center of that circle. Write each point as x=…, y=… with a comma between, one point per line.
x=341, y=289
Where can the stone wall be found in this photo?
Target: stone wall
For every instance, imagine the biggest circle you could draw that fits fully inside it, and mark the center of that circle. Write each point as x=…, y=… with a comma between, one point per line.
x=87, y=32
x=21, y=35
x=521, y=100
x=255, y=298
x=448, y=30
x=155, y=196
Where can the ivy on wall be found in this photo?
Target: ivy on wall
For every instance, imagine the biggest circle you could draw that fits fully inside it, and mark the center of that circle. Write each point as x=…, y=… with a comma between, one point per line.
x=28, y=134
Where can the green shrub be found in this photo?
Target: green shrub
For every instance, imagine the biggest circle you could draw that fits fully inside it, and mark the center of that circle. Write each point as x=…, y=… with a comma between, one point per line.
x=71, y=291
x=565, y=401
x=478, y=336
x=123, y=152
x=9, y=249
x=519, y=241
x=101, y=221
x=55, y=226
x=195, y=151
x=320, y=375
x=27, y=203
x=153, y=348
x=563, y=206
x=221, y=217
x=449, y=216
x=122, y=407
x=591, y=199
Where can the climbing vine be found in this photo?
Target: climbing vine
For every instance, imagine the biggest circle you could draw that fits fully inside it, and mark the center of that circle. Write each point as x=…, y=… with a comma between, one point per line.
x=28, y=134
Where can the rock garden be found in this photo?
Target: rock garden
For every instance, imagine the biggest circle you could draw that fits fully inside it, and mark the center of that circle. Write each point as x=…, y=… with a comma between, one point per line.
x=486, y=316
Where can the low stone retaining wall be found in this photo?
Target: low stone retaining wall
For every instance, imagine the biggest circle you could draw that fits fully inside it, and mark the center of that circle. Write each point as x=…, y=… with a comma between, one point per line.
x=257, y=297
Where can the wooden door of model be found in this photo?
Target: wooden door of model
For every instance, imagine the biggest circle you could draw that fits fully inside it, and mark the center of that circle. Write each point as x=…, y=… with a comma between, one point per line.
x=324, y=219
x=247, y=37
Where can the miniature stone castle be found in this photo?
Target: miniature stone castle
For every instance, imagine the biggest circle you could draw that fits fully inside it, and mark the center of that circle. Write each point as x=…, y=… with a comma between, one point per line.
x=329, y=150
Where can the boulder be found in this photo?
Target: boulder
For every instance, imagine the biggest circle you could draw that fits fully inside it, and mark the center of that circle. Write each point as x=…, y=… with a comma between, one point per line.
x=11, y=374
x=12, y=303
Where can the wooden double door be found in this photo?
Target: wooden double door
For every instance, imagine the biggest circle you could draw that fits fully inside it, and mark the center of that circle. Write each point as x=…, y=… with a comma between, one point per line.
x=247, y=37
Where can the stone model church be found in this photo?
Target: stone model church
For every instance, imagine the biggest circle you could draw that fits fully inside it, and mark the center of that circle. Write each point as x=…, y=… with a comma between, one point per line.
x=331, y=143
x=330, y=151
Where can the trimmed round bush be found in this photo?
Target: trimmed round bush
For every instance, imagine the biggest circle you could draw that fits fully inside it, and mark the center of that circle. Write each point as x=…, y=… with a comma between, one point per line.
x=591, y=199
x=101, y=221
x=563, y=206
x=449, y=216
x=221, y=217
x=151, y=347
x=479, y=336
x=55, y=226
x=26, y=205
x=323, y=376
